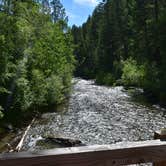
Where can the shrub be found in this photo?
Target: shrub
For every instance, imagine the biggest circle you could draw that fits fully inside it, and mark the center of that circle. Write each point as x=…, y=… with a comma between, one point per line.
x=133, y=73
x=105, y=79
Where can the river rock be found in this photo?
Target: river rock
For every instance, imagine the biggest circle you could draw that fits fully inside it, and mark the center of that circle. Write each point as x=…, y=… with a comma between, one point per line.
x=98, y=115
x=57, y=142
x=67, y=142
x=8, y=127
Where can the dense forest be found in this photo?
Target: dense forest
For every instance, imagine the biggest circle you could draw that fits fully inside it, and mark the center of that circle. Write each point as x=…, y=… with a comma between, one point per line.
x=124, y=43
x=36, y=56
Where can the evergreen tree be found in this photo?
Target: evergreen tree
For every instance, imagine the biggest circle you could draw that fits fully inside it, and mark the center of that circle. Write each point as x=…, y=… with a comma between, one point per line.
x=35, y=57
x=58, y=11
x=46, y=6
x=121, y=43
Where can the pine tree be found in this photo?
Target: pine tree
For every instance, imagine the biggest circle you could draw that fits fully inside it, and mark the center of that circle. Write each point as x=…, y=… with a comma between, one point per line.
x=58, y=11
x=120, y=36
x=36, y=59
x=46, y=6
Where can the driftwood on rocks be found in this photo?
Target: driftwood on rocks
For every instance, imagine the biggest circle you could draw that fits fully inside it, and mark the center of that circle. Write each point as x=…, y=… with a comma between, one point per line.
x=19, y=146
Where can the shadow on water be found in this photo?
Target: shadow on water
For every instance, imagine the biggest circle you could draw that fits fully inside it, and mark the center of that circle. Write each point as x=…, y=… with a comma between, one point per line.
x=9, y=138
x=138, y=96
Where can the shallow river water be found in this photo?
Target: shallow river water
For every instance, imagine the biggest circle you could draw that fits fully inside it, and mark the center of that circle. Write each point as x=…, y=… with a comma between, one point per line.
x=98, y=115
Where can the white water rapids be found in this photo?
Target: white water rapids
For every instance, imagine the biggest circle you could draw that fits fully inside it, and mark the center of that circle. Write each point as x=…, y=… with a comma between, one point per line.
x=98, y=115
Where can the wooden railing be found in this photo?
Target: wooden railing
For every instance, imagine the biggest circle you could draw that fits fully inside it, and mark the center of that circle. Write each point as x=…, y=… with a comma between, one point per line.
x=97, y=155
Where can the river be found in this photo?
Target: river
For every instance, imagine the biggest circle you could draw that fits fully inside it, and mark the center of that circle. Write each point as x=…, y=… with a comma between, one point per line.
x=98, y=115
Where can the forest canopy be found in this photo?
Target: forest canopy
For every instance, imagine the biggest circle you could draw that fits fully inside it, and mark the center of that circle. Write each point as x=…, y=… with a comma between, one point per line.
x=36, y=56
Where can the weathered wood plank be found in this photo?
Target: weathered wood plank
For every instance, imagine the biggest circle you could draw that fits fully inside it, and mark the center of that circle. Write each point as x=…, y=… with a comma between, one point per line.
x=159, y=164
x=161, y=134
x=97, y=155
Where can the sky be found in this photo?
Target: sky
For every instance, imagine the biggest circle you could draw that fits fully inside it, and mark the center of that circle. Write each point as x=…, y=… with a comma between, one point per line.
x=79, y=10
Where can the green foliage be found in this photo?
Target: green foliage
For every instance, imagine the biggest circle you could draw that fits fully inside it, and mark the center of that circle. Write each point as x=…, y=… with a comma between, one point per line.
x=55, y=88
x=36, y=57
x=105, y=79
x=23, y=96
x=132, y=31
x=162, y=67
x=133, y=73
x=58, y=11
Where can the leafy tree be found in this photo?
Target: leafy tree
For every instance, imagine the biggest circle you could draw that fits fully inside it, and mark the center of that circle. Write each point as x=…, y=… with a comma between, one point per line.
x=36, y=58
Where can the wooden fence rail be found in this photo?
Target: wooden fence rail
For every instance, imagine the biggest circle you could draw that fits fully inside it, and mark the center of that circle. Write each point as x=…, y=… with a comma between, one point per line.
x=97, y=155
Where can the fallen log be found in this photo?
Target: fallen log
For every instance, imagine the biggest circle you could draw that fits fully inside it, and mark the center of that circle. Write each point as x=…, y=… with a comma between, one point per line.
x=20, y=144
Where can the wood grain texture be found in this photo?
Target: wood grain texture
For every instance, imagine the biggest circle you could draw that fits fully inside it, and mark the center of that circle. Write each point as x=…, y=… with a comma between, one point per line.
x=159, y=164
x=97, y=155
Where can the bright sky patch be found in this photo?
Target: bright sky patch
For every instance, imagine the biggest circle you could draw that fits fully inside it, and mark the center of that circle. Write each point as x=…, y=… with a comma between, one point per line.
x=79, y=10
x=86, y=2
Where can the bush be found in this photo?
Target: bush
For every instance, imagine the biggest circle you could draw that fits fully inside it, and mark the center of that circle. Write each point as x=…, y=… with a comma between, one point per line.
x=105, y=79
x=55, y=88
x=133, y=73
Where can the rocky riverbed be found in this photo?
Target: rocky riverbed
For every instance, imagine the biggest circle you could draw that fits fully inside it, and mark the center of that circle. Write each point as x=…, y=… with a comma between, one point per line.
x=97, y=115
